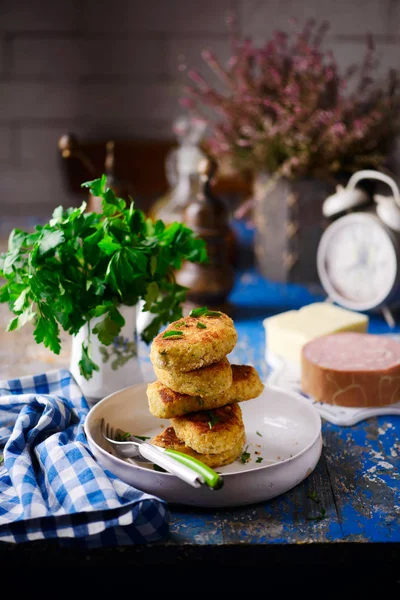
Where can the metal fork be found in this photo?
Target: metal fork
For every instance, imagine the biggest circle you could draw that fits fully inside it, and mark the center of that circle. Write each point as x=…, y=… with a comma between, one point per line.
x=185, y=467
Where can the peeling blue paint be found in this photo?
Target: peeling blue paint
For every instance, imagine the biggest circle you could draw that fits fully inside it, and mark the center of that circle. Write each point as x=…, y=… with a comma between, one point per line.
x=357, y=480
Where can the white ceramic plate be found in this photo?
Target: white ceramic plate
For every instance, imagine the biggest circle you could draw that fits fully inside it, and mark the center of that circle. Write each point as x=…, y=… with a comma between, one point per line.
x=281, y=427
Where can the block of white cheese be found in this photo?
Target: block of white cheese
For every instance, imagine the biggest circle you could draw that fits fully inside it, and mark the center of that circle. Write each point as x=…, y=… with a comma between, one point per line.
x=287, y=332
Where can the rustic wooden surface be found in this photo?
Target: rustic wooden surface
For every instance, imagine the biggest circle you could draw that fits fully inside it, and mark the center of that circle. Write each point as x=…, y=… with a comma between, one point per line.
x=346, y=513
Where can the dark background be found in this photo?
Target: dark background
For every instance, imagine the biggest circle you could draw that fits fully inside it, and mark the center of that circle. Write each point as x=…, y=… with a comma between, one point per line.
x=110, y=69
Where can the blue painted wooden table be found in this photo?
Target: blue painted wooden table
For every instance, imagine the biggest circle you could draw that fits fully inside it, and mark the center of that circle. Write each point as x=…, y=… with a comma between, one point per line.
x=345, y=514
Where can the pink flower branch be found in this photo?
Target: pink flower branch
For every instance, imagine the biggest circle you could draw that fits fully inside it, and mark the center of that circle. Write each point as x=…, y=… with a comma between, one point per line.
x=287, y=108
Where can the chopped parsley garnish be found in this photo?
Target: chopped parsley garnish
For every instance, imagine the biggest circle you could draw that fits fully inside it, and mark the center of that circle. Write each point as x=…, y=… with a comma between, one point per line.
x=259, y=459
x=313, y=496
x=172, y=333
x=204, y=312
x=180, y=324
x=245, y=456
x=198, y=312
x=213, y=419
x=258, y=433
x=322, y=513
x=122, y=437
x=200, y=325
x=319, y=517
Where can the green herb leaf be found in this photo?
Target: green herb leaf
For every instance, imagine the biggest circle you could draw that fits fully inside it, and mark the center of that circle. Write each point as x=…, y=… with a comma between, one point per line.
x=204, y=312
x=313, y=496
x=50, y=240
x=245, y=456
x=200, y=325
x=108, y=245
x=151, y=296
x=110, y=327
x=13, y=324
x=322, y=515
x=21, y=300
x=9, y=260
x=97, y=186
x=47, y=331
x=84, y=265
x=86, y=365
x=258, y=433
x=16, y=239
x=259, y=459
x=21, y=320
x=122, y=436
x=198, y=312
x=173, y=333
x=153, y=265
x=213, y=419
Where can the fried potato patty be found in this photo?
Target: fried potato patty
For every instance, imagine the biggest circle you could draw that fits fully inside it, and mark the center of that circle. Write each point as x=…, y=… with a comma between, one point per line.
x=211, y=380
x=169, y=439
x=212, y=431
x=166, y=403
x=204, y=341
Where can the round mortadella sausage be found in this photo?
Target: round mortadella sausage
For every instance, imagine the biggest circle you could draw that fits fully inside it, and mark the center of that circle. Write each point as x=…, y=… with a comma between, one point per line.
x=352, y=369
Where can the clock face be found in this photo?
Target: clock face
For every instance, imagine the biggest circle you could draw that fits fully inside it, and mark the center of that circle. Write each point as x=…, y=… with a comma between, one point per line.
x=357, y=261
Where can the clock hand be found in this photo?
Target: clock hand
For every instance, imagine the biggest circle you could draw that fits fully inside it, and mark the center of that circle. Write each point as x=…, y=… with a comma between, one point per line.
x=361, y=262
x=354, y=266
x=363, y=255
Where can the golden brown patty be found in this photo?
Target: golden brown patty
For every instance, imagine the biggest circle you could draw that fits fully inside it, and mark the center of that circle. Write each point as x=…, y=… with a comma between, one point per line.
x=169, y=439
x=212, y=431
x=211, y=380
x=204, y=340
x=166, y=403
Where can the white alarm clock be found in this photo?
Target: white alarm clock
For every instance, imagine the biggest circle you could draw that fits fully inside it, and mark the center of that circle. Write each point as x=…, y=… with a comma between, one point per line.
x=358, y=257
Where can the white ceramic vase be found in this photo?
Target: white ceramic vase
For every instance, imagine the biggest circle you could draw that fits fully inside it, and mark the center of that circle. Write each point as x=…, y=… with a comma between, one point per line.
x=119, y=364
x=143, y=317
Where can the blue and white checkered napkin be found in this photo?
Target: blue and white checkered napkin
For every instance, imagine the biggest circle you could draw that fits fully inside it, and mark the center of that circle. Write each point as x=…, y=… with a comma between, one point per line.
x=50, y=484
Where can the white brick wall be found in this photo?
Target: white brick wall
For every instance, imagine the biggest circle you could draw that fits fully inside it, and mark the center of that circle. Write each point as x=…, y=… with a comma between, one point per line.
x=128, y=100
x=124, y=58
x=5, y=145
x=58, y=59
x=37, y=143
x=38, y=100
x=67, y=59
x=262, y=17
x=40, y=15
x=2, y=54
x=110, y=69
x=161, y=16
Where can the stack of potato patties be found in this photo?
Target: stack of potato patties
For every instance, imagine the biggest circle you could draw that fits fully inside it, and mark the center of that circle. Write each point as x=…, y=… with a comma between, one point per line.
x=199, y=390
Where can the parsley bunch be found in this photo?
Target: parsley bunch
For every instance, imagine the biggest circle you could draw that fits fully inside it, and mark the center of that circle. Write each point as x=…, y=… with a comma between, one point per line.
x=84, y=265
